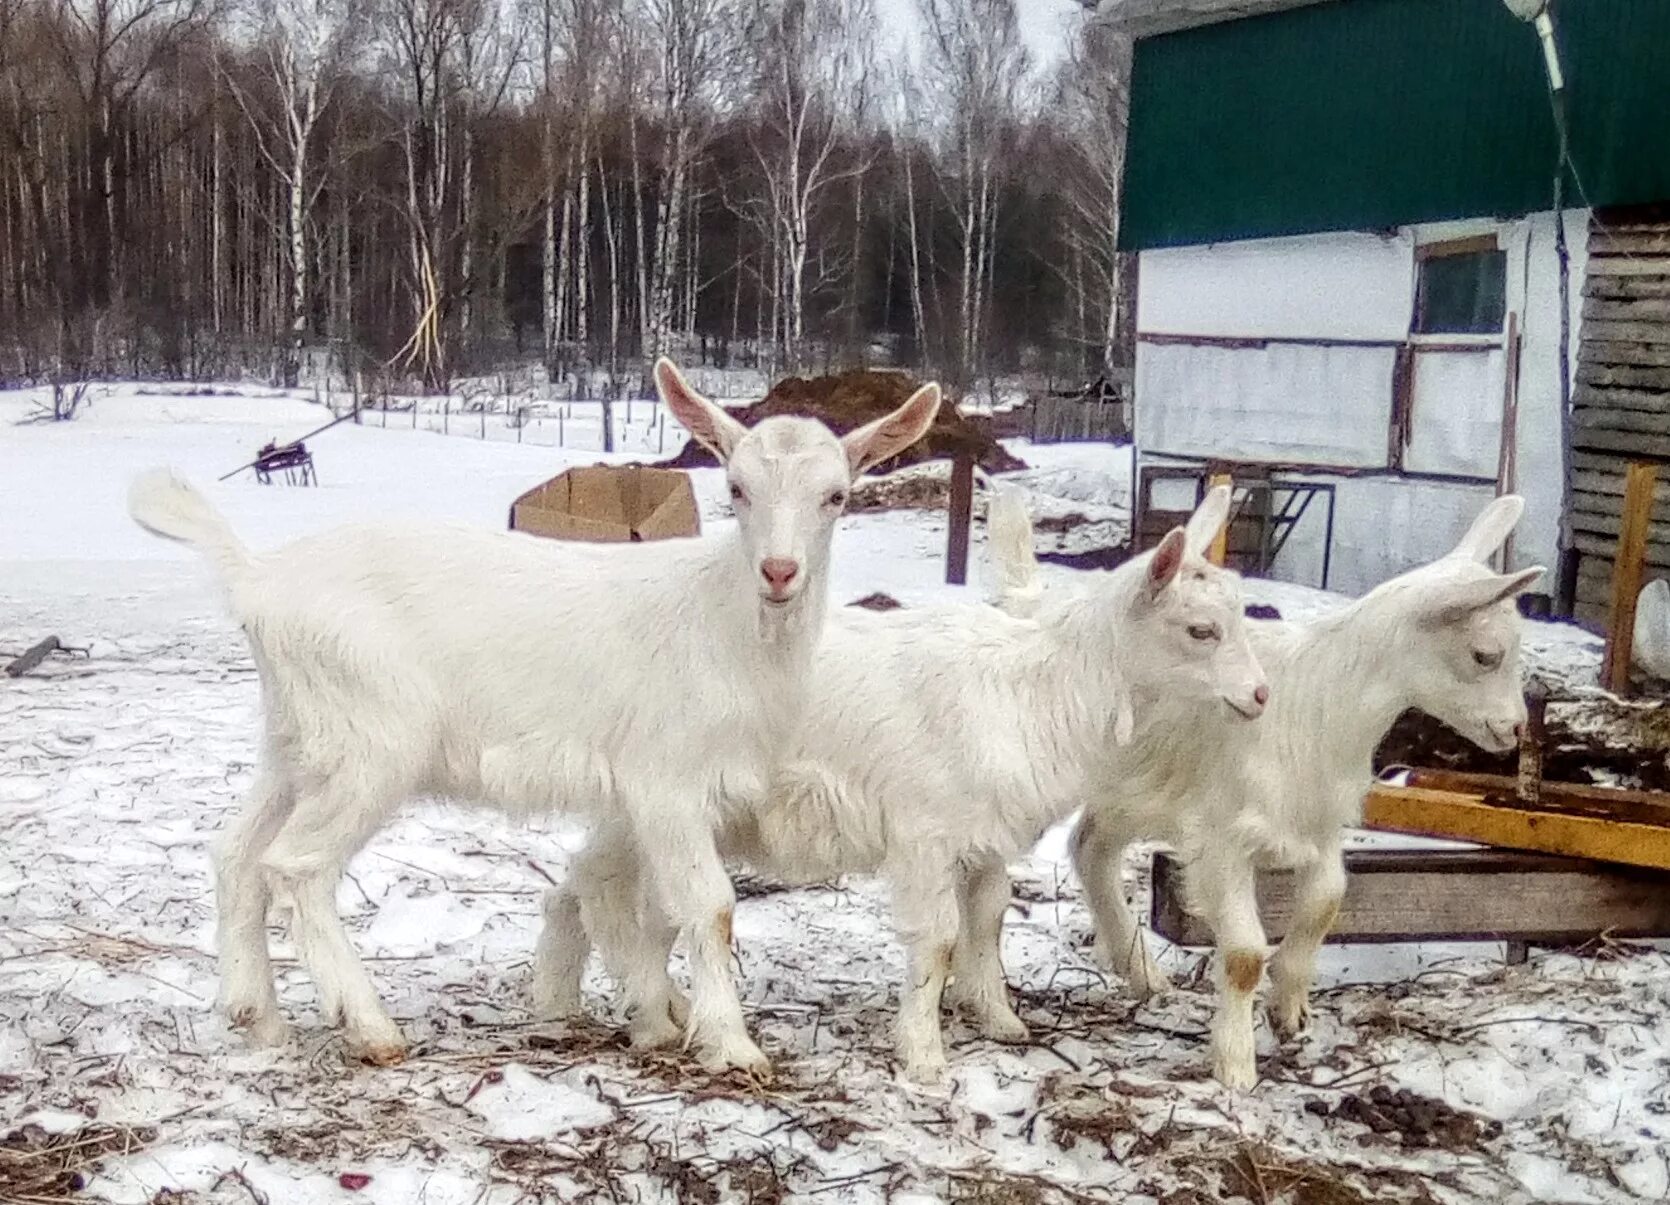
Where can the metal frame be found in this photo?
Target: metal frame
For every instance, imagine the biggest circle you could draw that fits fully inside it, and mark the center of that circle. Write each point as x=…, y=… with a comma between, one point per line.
x=1279, y=518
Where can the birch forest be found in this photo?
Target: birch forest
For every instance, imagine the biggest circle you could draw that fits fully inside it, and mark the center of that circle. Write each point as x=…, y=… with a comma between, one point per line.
x=432, y=189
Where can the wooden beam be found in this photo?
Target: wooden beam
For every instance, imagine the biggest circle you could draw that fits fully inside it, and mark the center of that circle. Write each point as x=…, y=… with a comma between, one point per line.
x=1459, y=895
x=962, y=514
x=1626, y=575
x=1549, y=828
x=1218, y=551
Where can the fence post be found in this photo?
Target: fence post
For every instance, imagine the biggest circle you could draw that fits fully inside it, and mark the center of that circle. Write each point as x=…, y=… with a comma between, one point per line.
x=1627, y=565
x=962, y=508
x=446, y=416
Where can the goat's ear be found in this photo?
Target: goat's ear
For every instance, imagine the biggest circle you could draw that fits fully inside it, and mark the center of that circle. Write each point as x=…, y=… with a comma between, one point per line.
x=704, y=420
x=1456, y=602
x=891, y=434
x=1166, y=561
x=1208, y=520
x=1490, y=529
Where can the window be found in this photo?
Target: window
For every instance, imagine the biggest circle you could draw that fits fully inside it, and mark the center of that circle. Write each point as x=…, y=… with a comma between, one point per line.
x=1460, y=288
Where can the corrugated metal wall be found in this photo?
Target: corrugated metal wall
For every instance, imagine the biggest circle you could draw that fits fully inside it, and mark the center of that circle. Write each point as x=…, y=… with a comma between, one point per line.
x=1621, y=404
x=1378, y=113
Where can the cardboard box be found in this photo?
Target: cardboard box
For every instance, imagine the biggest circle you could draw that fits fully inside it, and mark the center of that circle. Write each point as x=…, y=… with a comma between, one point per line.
x=606, y=503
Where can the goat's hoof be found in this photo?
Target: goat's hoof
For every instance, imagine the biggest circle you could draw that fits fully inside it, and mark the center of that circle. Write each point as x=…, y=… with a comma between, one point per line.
x=383, y=1054
x=1004, y=1026
x=654, y=1033
x=557, y=1006
x=927, y=1072
x=678, y=1008
x=381, y=1044
x=1289, y=1018
x=260, y=1026
x=737, y=1054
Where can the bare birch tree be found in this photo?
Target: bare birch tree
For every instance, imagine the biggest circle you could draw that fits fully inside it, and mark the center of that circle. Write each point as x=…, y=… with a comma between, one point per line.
x=1093, y=97
x=980, y=69
x=690, y=38
x=813, y=61
x=302, y=48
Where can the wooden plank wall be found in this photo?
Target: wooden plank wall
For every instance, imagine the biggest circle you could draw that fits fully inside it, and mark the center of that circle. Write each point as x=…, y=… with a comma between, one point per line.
x=1621, y=403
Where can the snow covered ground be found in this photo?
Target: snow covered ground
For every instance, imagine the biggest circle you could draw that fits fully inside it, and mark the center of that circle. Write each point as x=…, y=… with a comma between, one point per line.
x=117, y=769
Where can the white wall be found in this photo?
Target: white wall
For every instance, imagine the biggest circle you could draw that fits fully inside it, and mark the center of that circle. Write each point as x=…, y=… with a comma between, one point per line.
x=1331, y=286
x=1303, y=403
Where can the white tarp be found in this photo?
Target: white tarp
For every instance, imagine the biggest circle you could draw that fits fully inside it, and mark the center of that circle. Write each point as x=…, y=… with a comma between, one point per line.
x=1281, y=402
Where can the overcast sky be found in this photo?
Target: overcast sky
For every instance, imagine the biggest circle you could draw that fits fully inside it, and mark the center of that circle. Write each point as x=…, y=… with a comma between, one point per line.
x=1047, y=25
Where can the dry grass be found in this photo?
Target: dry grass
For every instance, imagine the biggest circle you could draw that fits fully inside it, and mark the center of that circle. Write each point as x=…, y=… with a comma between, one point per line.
x=38, y=1167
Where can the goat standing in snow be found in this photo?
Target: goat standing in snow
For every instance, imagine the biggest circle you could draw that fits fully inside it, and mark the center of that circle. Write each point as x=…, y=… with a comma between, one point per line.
x=1231, y=798
x=648, y=683
x=937, y=744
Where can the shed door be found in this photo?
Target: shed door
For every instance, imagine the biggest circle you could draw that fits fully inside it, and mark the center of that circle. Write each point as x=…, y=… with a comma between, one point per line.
x=1457, y=361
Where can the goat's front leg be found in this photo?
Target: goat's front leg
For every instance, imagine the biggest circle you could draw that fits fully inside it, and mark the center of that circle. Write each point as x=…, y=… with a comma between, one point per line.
x=1225, y=885
x=977, y=983
x=690, y=879
x=925, y=909
x=1320, y=887
x=1099, y=842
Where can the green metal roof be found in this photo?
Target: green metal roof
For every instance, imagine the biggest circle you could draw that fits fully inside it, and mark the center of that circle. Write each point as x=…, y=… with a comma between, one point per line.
x=1365, y=114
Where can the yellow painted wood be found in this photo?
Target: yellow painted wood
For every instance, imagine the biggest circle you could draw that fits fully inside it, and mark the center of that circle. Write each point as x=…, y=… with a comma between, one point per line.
x=1218, y=552
x=1466, y=817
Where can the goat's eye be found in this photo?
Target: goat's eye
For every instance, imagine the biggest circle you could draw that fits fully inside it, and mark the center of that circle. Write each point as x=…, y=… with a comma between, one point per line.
x=1486, y=660
x=1203, y=631
x=837, y=498
x=736, y=493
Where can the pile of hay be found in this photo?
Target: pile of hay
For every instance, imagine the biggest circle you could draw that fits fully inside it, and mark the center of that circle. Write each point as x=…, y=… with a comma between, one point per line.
x=854, y=398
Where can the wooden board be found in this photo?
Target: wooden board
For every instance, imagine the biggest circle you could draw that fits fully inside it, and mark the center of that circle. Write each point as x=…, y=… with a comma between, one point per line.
x=1628, y=564
x=1470, y=816
x=1461, y=895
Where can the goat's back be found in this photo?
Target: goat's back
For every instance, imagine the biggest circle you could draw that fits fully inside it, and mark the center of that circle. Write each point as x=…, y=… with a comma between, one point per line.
x=514, y=669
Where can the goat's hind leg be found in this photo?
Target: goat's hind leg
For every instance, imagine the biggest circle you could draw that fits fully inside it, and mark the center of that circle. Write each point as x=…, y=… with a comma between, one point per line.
x=1099, y=843
x=608, y=902
x=243, y=896
x=327, y=827
x=977, y=983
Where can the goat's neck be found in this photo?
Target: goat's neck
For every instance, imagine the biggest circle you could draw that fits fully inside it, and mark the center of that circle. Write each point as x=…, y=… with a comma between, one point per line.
x=784, y=636
x=1339, y=688
x=1084, y=679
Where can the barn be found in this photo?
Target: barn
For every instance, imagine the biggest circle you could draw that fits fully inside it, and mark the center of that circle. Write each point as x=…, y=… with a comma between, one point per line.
x=1386, y=270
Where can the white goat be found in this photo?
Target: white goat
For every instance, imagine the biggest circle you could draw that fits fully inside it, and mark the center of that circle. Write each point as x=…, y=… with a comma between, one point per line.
x=1230, y=798
x=644, y=683
x=937, y=744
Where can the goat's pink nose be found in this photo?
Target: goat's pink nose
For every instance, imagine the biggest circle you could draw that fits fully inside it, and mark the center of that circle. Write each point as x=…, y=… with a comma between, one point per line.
x=1261, y=696
x=778, y=572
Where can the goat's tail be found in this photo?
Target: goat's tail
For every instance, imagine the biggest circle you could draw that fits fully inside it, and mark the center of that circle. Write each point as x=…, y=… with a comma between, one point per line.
x=1009, y=544
x=166, y=504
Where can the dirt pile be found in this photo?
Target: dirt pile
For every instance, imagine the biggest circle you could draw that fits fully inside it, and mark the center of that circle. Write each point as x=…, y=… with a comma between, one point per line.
x=852, y=399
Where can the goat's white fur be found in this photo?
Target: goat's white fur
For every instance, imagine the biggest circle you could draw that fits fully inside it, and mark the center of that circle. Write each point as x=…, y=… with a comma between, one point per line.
x=937, y=744
x=1231, y=798
x=649, y=684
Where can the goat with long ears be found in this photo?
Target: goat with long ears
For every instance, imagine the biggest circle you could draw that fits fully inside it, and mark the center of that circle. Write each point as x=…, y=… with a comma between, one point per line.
x=937, y=744
x=633, y=683
x=1443, y=638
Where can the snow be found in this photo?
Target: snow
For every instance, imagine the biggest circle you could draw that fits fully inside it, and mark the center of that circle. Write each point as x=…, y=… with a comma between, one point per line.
x=117, y=769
